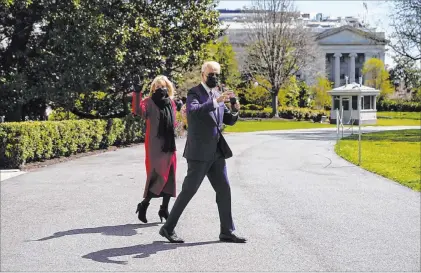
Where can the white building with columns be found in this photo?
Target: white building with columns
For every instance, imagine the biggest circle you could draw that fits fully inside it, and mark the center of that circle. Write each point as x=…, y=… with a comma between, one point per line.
x=346, y=49
x=345, y=42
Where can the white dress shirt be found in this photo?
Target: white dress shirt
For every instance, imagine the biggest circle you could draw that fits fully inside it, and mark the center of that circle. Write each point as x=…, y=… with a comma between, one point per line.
x=215, y=103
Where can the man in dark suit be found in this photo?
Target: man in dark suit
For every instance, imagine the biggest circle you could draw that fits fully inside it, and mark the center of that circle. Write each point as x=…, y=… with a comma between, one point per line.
x=206, y=151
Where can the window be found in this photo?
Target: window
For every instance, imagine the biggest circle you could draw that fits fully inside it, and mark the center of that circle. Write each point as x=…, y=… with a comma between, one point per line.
x=336, y=102
x=345, y=104
x=354, y=102
x=367, y=100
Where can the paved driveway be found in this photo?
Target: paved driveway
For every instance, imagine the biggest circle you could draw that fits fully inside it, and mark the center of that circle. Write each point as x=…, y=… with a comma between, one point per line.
x=301, y=206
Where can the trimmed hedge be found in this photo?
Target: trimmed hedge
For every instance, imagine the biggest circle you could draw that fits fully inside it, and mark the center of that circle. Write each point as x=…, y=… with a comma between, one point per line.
x=288, y=113
x=398, y=106
x=252, y=107
x=23, y=142
x=265, y=113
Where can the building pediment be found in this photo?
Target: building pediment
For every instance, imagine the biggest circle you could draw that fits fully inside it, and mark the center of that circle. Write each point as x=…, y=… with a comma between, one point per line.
x=347, y=35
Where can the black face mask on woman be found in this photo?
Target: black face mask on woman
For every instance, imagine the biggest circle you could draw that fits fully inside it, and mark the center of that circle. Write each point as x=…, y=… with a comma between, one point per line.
x=212, y=80
x=161, y=92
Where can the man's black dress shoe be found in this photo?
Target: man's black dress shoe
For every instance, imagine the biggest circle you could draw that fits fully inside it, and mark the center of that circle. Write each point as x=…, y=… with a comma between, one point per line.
x=231, y=238
x=172, y=238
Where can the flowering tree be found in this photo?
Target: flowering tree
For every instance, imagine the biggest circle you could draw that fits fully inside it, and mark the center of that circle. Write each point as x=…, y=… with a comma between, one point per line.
x=378, y=77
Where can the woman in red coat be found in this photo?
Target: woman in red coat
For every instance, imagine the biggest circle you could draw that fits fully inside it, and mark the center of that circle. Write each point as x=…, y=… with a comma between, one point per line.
x=159, y=112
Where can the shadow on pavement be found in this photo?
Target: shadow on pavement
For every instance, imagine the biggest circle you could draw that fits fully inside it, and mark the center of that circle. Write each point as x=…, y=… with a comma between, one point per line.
x=142, y=251
x=120, y=230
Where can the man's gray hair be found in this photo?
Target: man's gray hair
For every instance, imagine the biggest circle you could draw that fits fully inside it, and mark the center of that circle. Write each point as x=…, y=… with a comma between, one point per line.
x=211, y=64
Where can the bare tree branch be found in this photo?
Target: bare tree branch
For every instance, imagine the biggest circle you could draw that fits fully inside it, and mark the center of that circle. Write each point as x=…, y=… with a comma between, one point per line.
x=279, y=46
x=406, y=21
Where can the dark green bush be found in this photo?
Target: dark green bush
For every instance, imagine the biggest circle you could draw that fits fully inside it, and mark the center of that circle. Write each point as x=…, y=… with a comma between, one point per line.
x=23, y=142
x=252, y=107
x=287, y=113
x=398, y=106
x=255, y=114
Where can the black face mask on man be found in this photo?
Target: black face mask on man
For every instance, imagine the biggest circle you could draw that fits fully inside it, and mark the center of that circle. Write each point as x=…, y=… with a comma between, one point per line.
x=212, y=80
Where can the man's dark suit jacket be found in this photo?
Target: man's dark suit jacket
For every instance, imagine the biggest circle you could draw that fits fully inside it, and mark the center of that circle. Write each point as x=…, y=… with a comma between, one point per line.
x=203, y=119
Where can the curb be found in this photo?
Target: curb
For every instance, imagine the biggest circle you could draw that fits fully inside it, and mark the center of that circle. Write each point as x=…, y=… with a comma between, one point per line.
x=7, y=174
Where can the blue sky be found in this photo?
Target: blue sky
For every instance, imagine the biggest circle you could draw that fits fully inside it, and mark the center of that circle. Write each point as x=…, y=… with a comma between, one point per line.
x=377, y=11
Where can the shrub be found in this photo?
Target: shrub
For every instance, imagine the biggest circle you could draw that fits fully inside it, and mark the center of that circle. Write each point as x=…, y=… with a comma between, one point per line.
x=22, y=142
x=302, y=113
x=398, y=105
x=416, y=94
x=322, y=99
x=265, y=113
x=257, y=95
x=289, y=93
x=252, y=107
x=288, y=113
x=60, y=114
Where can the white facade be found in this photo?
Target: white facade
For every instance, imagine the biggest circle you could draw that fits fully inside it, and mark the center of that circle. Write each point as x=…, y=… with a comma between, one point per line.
x=346, y=49
x=345, y=43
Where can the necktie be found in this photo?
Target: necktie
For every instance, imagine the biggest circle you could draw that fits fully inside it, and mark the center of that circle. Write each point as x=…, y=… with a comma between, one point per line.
x=212, y=95
x=216, y=113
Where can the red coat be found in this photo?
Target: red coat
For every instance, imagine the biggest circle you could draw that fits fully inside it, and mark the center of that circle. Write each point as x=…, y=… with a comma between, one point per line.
x=160, y=167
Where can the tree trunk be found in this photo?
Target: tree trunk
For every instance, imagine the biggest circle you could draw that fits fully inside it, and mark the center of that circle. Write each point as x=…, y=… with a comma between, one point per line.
x=275, y=113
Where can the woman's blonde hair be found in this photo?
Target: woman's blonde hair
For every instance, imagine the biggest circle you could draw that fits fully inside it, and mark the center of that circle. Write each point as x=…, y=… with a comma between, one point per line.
x=164, y=81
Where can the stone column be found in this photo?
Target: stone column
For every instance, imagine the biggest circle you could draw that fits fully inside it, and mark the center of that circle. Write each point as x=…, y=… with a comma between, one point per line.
x=367, y=56
x=382, y=56
x=332, y=69
x=337, y=69
x=359, y=108
x=367, y=76
x=375, y=103
x=352, y=67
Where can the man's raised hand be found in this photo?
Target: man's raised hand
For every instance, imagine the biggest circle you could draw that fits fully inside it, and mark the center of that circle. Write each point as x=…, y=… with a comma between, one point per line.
x=224, y=97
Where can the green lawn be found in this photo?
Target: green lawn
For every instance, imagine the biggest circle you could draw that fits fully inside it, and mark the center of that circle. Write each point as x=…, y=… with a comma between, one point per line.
x=399, y=115
x=398, y=122
x=398, y=119
x=270, y=125
x=392, y=154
